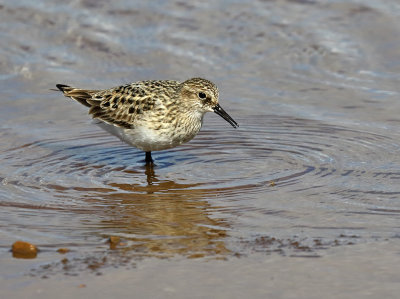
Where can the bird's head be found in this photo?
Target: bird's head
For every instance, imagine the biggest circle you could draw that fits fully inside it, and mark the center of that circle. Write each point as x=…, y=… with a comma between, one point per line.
x=202, y=96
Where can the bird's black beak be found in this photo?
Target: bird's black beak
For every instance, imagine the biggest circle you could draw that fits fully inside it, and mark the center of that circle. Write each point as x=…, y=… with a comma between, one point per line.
x=221, y=112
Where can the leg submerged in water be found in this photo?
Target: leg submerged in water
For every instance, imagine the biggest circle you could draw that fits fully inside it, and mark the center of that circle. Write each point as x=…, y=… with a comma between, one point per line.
x=149, y=159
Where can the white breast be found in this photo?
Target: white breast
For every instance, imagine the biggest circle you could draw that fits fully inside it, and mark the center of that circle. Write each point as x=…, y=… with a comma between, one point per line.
x=147, y=139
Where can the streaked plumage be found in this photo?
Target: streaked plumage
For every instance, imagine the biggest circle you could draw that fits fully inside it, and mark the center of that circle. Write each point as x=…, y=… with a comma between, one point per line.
x=151, y=115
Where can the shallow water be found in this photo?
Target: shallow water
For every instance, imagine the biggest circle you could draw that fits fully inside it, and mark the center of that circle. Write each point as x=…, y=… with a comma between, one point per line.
x=313, y=169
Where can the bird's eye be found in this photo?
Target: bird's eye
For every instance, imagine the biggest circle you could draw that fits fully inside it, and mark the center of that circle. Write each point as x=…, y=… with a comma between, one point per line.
x=202, y=95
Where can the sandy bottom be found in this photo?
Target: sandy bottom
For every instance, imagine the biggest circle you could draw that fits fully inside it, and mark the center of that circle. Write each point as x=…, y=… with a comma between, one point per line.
x=358, y=271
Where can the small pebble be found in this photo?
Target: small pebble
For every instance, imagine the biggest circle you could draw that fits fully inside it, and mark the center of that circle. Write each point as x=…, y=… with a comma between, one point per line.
x=24, y=250
x=114, y=239
x=63, y=250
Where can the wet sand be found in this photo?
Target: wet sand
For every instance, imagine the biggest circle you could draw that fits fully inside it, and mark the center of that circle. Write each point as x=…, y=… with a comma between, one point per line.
x=344, y=272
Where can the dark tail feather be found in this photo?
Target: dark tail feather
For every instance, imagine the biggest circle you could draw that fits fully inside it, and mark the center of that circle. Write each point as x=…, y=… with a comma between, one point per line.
x=80, y=95
x=62, y=87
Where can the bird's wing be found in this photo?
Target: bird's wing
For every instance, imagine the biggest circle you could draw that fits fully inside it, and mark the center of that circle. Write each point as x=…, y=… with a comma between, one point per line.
x=122, y=105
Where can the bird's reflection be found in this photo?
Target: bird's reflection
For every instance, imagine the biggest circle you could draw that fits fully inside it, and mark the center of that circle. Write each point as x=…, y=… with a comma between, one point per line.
x=165, y=218
x=150, y=174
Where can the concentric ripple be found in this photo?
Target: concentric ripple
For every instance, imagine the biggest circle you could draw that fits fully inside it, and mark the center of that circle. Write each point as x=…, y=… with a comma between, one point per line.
x=266, y=151
x=275, y=173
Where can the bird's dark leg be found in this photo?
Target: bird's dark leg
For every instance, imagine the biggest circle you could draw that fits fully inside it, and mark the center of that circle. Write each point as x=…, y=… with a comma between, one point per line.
x=149, y=159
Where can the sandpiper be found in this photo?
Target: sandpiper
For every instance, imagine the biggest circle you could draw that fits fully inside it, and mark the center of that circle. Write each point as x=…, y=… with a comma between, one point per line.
x=152, y=115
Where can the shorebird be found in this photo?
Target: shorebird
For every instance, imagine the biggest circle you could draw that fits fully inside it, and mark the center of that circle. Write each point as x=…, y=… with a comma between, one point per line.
x=151, y=115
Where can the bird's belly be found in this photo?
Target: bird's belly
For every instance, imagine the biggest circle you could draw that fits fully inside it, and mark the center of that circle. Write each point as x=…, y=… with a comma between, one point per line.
x=147, y=139
x=151, y=140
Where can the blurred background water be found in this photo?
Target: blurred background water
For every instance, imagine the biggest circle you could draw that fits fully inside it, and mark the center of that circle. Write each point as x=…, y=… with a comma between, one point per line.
x=313, y=167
